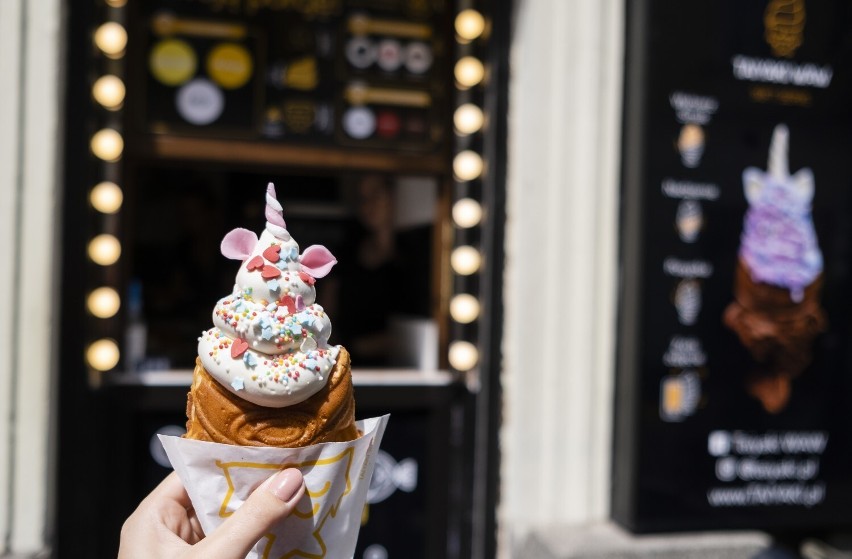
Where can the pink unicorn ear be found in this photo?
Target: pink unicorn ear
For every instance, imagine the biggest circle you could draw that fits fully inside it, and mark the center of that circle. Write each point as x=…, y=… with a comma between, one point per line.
x=317, y=261
x=238, y=244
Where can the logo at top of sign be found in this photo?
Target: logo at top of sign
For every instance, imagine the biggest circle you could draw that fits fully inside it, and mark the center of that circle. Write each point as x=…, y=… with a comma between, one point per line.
x=785, y=25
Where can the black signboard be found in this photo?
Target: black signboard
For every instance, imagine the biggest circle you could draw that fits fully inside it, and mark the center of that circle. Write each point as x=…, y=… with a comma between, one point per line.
x=735, y=380
x=363, y=73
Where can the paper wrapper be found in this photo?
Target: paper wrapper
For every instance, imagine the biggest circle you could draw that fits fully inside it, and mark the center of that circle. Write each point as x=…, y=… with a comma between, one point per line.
x=325, y=524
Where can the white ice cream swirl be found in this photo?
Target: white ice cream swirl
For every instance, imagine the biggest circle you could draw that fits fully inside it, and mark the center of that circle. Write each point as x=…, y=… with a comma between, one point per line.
x=269, y=344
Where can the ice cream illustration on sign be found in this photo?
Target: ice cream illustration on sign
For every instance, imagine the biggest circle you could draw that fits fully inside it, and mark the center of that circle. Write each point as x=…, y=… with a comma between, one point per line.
x=269, y=344
x=776, y=312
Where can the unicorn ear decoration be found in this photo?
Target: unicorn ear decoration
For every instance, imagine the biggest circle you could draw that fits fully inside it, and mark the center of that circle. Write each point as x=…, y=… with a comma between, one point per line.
x=238, y=244
x=317, y=261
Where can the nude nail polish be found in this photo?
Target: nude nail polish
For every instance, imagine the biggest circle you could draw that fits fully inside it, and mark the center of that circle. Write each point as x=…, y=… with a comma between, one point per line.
x=286, y=484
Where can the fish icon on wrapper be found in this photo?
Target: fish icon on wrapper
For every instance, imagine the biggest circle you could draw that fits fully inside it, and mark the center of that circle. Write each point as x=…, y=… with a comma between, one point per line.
x=776, y=312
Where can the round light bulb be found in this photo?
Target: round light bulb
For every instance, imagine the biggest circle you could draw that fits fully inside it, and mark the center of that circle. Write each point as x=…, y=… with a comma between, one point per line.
x=109, y=91
x=469, y=24
x=103, y=302
x=103, y=354
x=464, y=308
x=467, y=165
x=465, y=260
x=106, y=197
x=469, y=71
x=107, y=144
x=468, y=119
x=111, y=38
x=467, y=213
x=463, y=355
x=104, y=250
x=116, y=3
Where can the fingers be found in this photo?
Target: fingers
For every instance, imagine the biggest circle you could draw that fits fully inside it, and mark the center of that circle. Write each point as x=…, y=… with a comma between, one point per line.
x=158, y=526
x=170, y=488
x=274, y=500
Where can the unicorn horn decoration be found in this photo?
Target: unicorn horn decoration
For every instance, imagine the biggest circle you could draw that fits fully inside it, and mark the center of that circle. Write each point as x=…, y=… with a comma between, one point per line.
x=777, y=165
x=275, y=215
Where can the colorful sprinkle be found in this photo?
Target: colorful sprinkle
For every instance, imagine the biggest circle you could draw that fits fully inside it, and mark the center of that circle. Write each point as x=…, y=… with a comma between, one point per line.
x=270, y=272
x=273, y=253
x=238, y=347
x=255, y=263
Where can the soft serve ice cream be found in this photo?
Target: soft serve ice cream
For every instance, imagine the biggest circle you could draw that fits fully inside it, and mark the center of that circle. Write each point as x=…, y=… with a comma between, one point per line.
x=779, y=242
x=266, y=373
x=269, y=392
x=269, y=344
x=776, y=312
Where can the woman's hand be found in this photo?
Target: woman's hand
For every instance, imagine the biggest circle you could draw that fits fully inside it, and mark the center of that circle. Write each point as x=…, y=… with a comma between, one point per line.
x=164, y=525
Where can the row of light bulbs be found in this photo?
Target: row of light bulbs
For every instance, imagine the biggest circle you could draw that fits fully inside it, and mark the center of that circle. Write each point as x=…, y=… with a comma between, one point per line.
x=107, y=145
x=468, y=165
x=106, y=197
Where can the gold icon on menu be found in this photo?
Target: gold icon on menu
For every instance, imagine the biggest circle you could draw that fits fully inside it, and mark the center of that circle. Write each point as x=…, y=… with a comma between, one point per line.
x=785, y=25
x=302, y=74
x=299, y=116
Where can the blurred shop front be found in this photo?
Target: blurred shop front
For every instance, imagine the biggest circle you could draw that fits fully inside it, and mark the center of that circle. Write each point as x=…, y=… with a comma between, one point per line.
x=614, y=281
x=369, y=116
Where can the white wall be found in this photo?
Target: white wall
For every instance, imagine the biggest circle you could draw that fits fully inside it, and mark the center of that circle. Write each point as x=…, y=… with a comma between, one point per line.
x=30, y=96
x=561, y=250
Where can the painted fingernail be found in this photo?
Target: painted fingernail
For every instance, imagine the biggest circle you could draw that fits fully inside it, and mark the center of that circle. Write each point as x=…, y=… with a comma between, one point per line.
x=286, y=484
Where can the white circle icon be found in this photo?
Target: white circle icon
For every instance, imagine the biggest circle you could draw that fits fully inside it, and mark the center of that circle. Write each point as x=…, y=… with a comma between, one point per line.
x=155, y=447
x=376, y=551
x=719, y=443
x=359, y=122
x=390, y=55
x=360, y=52
x=418, y=57
x=726, y=469
x=200, y=102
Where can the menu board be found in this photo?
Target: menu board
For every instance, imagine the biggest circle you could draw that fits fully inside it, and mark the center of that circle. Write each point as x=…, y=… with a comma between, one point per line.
x=366, y=73
x=735, y=378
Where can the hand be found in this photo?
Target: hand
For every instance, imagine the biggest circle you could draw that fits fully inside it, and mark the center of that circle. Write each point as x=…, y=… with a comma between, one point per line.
x=164, y=525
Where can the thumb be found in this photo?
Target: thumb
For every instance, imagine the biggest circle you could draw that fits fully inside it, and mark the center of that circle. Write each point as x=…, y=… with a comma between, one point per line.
x=274, y=500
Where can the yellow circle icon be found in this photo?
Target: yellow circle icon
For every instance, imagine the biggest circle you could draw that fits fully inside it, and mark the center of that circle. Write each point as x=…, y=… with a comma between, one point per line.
x=173, y=62
x=229, y=65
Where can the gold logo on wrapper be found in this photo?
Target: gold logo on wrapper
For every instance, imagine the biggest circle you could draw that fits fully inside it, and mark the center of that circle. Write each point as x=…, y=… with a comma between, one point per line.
x=346, y=456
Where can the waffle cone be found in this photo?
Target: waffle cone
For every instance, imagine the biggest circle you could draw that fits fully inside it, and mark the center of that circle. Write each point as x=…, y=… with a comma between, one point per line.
x=778, y=332
x=216, y=414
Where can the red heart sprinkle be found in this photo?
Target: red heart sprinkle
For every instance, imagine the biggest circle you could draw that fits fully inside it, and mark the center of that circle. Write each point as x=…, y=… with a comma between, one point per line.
x=273, y=253
x=307, y=278
x=288, y=302
x=238, y=347
x=255, y=263
x=270, y=272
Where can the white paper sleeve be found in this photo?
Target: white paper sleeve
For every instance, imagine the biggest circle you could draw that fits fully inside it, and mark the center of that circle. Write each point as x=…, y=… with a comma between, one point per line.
x=325, y=524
